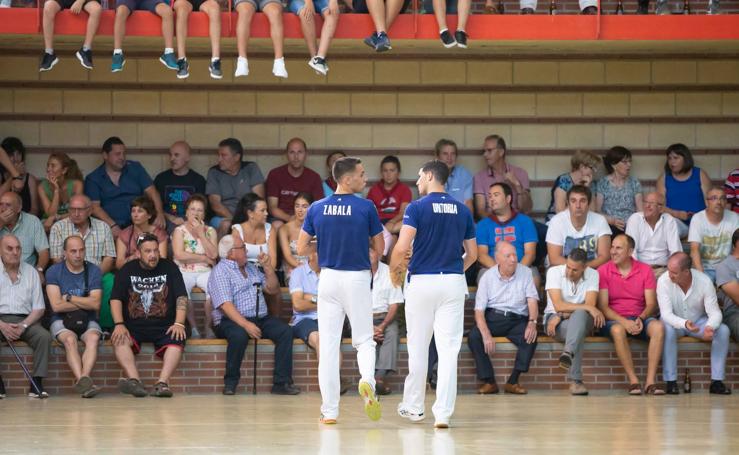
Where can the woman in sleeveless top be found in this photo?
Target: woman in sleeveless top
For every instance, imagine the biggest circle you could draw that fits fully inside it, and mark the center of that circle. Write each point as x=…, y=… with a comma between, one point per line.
x=683, y=185
x=618, y=194
x=583, y=167
x=289, y=235
x=195, y=251
x=63, y=180
x=24, y=183
x=143, y=214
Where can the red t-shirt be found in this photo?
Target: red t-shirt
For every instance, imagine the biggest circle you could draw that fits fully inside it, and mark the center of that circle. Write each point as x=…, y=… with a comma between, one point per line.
x=626, y=295
x=388, y=202
x=285, y=187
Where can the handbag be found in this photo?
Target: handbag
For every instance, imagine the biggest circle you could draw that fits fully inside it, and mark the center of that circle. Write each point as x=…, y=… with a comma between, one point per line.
x=77, y=320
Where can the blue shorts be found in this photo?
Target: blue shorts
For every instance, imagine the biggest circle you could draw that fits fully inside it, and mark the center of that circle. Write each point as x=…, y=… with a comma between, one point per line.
x=304, y=328
x=606, y=330
x=139, y=5
x=319, y=5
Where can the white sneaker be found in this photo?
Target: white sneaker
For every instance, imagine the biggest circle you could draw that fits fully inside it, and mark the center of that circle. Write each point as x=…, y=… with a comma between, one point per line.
x=406, y=414
x=441, y=424
x=242, y=67
x=278, y=68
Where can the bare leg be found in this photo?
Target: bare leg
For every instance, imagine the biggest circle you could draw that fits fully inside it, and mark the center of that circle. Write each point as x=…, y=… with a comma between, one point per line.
x=330, y=22
x=656, y=332
x=165, y=12
x=50, y=10
x=243, y=24
x=125, y=357
x=69, y=340
x=119, y=26
x=172, y=358
x=213, y=10
x=440, y=14
x=463, y=13
x=90, y=354
x=94, y=10
x=182, y=8
x=273, y=11
x=308, y=26
x=392, y=9
x=623, y=351
x=313, y=342
x=377, y=12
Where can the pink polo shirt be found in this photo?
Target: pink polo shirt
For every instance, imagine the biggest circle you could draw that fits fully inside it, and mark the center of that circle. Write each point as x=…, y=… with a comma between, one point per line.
x=483, y=179
x=626, y=295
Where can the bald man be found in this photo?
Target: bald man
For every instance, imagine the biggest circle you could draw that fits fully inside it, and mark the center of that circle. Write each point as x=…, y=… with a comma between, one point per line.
x=27, y=228
x=506, y=304
x=655, y=233
x=177, y=184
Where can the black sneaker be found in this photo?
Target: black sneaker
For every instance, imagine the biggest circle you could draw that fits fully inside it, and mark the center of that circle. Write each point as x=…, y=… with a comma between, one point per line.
x=319, y=65
x=285, y=389
x=85, y=58
x=528, y=11
x=719, y=388
x=460, y=36
x=215, y=69
x=41, y=393
x=589, y=10
x=229, y=390
x=47, y=62
x=183, y=69
x=565, y=360
x=672, y=388
x=447, y=39
x=643, y=7
x=2, y=388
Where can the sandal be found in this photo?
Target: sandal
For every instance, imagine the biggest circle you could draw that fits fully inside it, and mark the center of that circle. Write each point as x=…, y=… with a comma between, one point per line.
x=162, y=390
x=652, y=389
x=635, y=389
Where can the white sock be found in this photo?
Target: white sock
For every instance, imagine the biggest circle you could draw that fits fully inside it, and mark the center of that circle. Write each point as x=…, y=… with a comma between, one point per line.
x=442, y=31
x=281, y=59
x=214, y=59
x=86, y=48
x=243, y=59
x=49, y=51
x=117, y=51
x=168, y=50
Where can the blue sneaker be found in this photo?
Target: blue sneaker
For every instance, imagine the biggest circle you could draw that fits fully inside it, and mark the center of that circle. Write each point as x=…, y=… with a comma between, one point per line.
x=383, y=42
x=371, y=41
x=170, y=61
x=118, y=62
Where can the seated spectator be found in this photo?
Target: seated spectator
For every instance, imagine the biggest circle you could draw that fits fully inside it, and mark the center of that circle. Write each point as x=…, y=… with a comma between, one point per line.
x=506, y=304
x=655, y=234
x=15, y=176
x=505, y=224
x=688, y=307
x=459, y=183
x=288, y=236
x=459, y=38
x=195, y=251
x=731, y=188
x=51, y=8
x=583, y=167
x=273, y=10
x=27, y=229
x=142, y=215
x=304, y=297
x=228, y=181
x=21, y=309
x=383, y=14
x=710, y=233
x=572, y=312
x=578, y=227
x=727, y=281
x=286, y=181
x=179, y=182
x=63, y=180
x=618, y=195
x=161, y=8
x=74, y=287
x=154, y=311
x=212, y=9
x=114, y=184
x=628, y=300
x=235, y=286
x=390, y=195
x=329, y=185
x=497, y=170
x=306, y=10
x=385, y=301
x=684, y=186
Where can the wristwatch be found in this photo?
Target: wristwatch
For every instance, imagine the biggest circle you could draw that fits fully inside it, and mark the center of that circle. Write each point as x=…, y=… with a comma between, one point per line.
x=68, y=297
x=24, y=325
x=314, y=299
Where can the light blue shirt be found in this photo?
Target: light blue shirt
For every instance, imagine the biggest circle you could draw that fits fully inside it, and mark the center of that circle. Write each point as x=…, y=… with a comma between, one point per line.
x=459, y=184
x=506, y=294
x=304, y=279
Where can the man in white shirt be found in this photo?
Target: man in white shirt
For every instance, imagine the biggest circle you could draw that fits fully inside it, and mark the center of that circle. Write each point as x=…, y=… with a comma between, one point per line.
x=571, y=312
x=578, y=227
x=688, y=304
x=727, y=281
x=710, y=233
x=655, y=234
x=385, y=300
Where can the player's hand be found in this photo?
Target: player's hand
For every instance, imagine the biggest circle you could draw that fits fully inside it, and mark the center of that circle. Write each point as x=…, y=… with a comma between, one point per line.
x=396, y=277
x=177, y=332
x=120, y=335
x=76, y=7
x=253, y=330
x=708, y=333
x=691, y=327
x=489, y=343
x=599, y=320
x=530, y=333
x=552, y=325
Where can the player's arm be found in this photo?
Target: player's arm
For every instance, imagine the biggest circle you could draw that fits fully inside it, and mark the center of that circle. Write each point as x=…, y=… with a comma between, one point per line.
x=397, y=257
x=470, y=252
x=377, y=243
x=303, y=245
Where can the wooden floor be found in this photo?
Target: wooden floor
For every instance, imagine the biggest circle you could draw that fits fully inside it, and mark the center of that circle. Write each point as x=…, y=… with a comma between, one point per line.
x=542, y=422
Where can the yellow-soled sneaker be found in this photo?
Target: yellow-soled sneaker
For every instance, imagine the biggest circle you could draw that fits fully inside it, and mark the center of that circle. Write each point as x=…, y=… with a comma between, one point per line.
x=371, y=404
x=327, y=420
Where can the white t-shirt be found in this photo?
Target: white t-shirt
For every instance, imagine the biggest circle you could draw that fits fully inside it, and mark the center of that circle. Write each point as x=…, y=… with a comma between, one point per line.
x=562, y=233
x=571, y=292
x=715, y=239
x=384, y=293
x=654, y=246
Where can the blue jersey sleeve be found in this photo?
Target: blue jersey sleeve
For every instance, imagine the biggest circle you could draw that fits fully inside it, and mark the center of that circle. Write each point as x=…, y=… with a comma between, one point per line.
x=470, y=230
x=410, y=217
x=308, y=223
x=374, y=220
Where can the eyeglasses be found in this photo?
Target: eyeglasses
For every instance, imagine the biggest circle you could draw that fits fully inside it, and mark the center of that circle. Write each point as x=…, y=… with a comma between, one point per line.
x=656, y=204
x=78, y=209
x=242, y=247
x=716, y=198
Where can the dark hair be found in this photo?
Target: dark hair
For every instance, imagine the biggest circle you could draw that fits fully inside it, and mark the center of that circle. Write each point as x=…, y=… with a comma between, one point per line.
x=629, y=240
x=684, y=151
x=248, y=203
x=73, y=236
x=13, y=145
x=580, y=189
x=499, y=141
x=110, y=142
x=344, y=166
x=615, y=155
x=73, y=171
x=234, y=145
x=438, y=169
x=147, y=204
x=146, y=237
x=338, y=152
x=197, y=197
x=507, y=190
x=735, y=238
x=391, y=159
x=305, y=196
x=443, y=143
x=578, y=255
x=297, y=139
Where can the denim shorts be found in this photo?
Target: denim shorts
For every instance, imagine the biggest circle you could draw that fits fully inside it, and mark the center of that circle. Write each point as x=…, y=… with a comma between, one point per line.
x=304, y=328
x=606, y=330
x=257, y=4
x=57, y=327
x=143, y=5
x=319, y=5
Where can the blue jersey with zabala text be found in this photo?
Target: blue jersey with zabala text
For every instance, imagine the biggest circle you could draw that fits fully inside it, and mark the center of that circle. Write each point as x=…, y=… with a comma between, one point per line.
x=343, y=225
x=442, y=225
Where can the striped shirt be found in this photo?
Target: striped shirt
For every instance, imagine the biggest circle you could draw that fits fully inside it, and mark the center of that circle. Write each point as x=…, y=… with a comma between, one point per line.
x=31, y=234
x=227, y=284
x=98, y=239
x=506, y=294
x=22, y=296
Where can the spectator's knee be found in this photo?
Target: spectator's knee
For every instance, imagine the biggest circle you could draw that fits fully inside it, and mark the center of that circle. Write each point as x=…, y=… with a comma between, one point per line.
x=657, y=328
x=93, y=8
x=618, y=331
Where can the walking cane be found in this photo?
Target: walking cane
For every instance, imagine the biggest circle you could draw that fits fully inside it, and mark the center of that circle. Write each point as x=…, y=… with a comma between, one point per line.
x=258, y=285
x=25, y=370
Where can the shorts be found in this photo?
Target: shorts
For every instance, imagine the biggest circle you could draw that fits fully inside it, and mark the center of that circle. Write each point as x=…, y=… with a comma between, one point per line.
x=257, y=4
x=304, y=328
x=156, y=335
x=57, y=327
x=143, y=5
x=196, y=4
x=66, y=4
x=360, y=6
x=296, y=5
x=606, y=330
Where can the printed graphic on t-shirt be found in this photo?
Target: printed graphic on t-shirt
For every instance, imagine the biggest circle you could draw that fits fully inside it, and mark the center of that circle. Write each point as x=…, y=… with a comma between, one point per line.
x=715, y=248
x=149, y=297
x=505, y=233
x=588, y=243
x=176, y=196
x=388, y=205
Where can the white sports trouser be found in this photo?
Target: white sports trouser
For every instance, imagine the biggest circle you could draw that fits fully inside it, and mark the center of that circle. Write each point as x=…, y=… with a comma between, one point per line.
x=532, y=4
x=434, y=305
x=343, y=293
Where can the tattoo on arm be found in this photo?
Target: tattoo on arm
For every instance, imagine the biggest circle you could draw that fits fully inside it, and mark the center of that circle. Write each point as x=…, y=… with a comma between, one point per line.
x=182, y=303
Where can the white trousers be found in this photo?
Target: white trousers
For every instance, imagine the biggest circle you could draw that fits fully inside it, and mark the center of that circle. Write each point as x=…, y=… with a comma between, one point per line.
x=343, y=293
x=434, y=305
x=533, y=3
x=199, y=279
